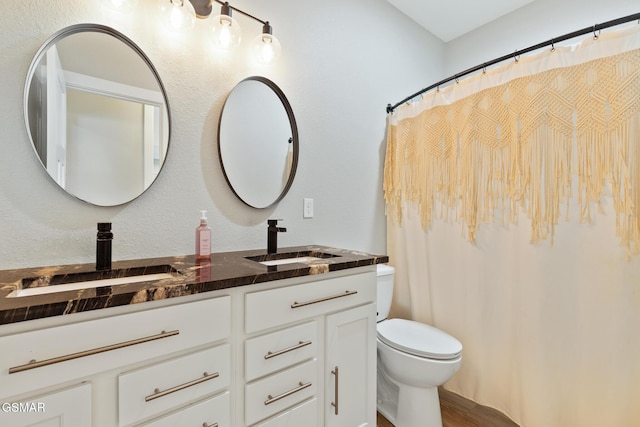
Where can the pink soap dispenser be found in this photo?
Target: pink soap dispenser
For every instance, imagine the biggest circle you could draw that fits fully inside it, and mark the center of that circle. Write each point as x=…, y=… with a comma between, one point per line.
x=203, y=238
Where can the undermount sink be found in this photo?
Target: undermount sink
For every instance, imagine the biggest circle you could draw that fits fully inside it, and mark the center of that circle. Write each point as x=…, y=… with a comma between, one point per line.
x=93, y=279
x=291, y=257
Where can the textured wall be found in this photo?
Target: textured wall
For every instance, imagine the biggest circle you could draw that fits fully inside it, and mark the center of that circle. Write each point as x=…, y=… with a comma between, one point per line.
x=342, y=63
x=536, y=22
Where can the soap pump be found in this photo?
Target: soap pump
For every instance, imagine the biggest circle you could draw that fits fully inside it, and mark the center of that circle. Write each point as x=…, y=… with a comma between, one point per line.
x=203, y=238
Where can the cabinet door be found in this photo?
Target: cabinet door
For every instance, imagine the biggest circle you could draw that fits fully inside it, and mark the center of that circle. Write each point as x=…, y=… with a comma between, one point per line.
x=350, y=371
x=66, y=408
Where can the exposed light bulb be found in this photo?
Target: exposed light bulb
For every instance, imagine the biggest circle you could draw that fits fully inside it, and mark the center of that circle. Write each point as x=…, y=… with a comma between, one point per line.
x=266, y=47
x=226, y=30
x=267, y=53
x=180, y=15
x=224, y=37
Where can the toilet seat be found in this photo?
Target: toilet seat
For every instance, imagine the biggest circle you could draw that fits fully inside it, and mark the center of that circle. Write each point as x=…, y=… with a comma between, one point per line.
x=419, y=339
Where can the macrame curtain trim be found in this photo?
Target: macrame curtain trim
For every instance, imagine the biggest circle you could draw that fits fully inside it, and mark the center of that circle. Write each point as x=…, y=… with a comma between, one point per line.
x=520, y=143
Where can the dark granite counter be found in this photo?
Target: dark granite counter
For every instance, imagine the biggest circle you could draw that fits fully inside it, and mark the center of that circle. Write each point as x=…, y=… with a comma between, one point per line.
x=184, y=276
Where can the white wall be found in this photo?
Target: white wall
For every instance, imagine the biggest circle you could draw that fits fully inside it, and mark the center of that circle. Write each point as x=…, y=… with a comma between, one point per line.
x=342, y=63
x=536, y=22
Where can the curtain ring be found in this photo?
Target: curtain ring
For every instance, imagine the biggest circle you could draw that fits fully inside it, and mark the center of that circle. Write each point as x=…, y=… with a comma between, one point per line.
x=516, y=57
x=484, y=68
x=553, y=46
x=595, y=36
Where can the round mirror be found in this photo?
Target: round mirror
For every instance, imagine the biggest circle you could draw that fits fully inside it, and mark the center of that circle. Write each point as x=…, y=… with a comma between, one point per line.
x=97, y=114
x=258, y=142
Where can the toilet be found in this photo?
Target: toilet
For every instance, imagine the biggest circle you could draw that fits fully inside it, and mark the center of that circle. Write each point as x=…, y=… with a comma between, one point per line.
x=413, y=360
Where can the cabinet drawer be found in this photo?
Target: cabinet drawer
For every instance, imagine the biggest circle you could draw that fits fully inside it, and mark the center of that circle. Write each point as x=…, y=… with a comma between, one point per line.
x=271, y=352
x=158, y=388
x=305, y=415
x=274, y=307
x=268, y=396
x=215, y=411
x=81, y=349
x=70, y=408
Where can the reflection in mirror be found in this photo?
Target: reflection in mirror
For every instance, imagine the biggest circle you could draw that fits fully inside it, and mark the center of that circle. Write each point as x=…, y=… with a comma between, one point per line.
x=258, y=142
x=97, y=114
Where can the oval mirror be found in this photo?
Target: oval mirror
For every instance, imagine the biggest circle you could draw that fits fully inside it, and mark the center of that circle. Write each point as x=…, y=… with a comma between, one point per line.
x=97, y=114
x=258, y=142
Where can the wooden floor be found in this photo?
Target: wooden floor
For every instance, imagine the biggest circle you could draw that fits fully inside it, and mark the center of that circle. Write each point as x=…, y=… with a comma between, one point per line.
x=460, y=412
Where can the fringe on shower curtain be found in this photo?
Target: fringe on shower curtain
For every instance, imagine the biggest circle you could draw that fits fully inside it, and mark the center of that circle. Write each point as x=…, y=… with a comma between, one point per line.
x=518, y=145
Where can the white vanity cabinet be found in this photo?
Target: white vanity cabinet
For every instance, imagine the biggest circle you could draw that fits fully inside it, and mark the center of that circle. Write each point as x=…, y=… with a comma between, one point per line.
x=297, y=352
x=99, y=352
x=321, y=362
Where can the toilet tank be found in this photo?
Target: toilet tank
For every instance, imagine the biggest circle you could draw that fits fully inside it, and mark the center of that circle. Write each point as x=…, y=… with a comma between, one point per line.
x=385, y=290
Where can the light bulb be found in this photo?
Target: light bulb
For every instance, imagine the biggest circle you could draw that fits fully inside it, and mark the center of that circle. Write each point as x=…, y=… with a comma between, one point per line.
x=266, y=47
x=226, y=30
x=224, y=37
x=180, y=15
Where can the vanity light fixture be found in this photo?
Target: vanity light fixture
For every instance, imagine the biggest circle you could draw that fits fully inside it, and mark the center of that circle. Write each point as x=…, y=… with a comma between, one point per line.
x=227, y=33
x=181, y=15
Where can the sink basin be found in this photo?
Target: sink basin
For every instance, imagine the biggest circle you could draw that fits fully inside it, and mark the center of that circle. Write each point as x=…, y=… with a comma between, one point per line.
x=302, y=259
x=92, y=279
x=291, y=257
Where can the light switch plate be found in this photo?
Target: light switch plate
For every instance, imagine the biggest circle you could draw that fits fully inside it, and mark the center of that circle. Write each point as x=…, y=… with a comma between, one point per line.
x=307, y=208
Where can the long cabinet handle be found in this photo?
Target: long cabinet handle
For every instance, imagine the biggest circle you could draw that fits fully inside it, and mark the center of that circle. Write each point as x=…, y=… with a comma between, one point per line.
x=297, y=304
x=335, y=387
x=209, y=425
x=33, y=364
x=301, y=386
x=300, y=344
x=157, y=393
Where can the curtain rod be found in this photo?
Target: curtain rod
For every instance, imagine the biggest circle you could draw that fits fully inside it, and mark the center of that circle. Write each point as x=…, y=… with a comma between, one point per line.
x=551, y=42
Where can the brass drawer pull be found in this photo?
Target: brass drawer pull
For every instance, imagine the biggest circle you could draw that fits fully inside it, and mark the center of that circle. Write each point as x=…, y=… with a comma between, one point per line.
x=157, y=393
x=335, y=388
x=315, y=301
x=301, y=386
x=300, y=344
x=33, y=364
x=209, y=425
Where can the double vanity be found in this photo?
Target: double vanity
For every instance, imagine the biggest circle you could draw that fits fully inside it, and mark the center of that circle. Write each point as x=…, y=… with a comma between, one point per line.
x=243, y=339
x=277, y=338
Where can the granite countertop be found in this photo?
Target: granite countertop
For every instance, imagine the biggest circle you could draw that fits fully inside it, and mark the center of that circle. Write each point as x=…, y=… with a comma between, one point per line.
x=187, y=276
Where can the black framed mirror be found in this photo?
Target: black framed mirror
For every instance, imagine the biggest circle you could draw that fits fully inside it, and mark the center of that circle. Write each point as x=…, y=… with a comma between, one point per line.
x=97, y=114
x=258, y=142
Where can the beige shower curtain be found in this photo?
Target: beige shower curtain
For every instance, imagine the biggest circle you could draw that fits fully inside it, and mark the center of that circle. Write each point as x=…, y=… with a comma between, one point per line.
x=513, y=202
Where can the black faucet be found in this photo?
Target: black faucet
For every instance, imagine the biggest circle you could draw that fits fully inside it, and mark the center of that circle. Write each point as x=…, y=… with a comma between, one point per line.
x=272, y=235
x=103, y=246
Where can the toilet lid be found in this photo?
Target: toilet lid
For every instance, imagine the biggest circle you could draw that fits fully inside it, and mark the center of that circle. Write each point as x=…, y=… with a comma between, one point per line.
x=419, y=339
